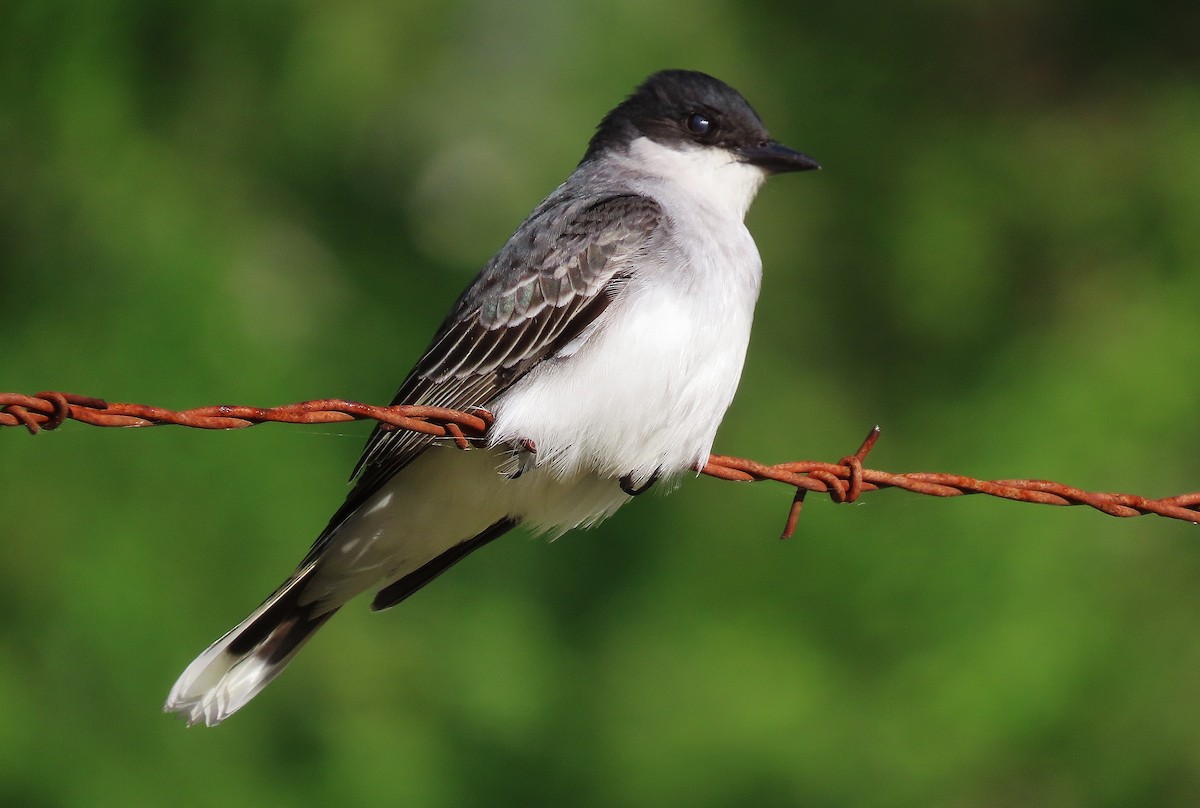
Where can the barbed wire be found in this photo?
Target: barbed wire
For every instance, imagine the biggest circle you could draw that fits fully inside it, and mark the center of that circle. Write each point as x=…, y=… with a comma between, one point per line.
x=843, y=481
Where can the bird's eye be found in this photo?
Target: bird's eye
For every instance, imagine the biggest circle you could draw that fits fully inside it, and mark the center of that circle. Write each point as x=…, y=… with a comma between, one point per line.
x=699, y=124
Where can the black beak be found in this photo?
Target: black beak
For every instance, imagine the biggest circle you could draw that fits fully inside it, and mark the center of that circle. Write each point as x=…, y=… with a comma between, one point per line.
x=776, y=158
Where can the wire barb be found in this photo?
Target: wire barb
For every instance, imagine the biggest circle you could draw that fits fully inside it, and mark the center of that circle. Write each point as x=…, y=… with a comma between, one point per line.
x=839, y=490
x=843, y=481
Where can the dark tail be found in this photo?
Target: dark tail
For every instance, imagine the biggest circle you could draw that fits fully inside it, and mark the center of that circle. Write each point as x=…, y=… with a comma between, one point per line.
x=236, y=667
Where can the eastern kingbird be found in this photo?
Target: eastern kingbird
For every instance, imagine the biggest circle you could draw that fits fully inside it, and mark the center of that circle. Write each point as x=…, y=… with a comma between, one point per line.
x=606, y=337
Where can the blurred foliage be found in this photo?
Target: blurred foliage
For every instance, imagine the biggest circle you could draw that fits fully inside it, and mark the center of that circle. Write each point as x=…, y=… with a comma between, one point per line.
x=267, y=202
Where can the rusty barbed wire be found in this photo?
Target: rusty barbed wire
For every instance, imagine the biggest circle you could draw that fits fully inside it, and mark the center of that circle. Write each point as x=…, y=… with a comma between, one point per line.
x=843, y=481
x=49, y=410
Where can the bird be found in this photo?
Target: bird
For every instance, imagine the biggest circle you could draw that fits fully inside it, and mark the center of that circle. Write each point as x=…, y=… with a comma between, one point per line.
x=606, y=339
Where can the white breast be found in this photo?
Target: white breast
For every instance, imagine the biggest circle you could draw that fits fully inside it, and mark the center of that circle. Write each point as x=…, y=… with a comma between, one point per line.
x=646, y=391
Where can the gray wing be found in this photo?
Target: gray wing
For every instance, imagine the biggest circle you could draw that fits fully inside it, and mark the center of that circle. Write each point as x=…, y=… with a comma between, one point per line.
x=555, y=276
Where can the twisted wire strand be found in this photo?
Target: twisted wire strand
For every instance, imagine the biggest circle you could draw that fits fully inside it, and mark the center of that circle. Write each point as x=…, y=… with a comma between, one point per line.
x=843, y=481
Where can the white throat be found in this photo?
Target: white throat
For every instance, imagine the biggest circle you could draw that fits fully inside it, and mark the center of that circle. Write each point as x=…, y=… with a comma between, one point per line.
x=707, y=173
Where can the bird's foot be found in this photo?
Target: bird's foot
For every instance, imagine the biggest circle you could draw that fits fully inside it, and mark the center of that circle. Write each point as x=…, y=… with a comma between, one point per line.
x=522, y=457
x=632, y=490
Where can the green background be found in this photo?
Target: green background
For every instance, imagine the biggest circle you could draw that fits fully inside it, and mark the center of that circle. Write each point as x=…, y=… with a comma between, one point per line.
x=264, y=203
